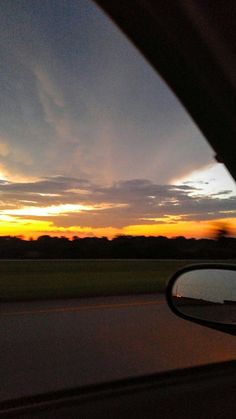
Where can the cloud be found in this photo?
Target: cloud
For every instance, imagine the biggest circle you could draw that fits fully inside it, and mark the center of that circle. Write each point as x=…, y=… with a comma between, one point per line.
x=4, y=149
x=47, y=89
x=70, y=201
x=77, y=99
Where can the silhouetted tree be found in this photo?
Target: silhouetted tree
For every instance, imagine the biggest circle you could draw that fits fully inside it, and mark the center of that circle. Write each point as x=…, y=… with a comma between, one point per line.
x=47, y=247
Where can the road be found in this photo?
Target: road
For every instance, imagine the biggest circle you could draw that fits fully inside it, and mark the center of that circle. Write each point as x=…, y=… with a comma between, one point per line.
x=49, y=346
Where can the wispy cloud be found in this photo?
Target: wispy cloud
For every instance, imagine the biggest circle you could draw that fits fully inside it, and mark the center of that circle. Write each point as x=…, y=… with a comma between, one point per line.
x=67, y=109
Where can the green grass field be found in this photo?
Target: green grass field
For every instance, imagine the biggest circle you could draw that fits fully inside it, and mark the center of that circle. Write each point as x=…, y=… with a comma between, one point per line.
x=26, y=279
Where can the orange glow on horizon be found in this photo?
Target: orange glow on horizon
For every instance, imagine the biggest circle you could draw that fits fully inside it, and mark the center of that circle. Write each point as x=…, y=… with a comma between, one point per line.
x=11, y=226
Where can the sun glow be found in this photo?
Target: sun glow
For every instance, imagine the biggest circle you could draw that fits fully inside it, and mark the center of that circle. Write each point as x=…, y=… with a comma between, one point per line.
x=47, y=211
x=52, y=210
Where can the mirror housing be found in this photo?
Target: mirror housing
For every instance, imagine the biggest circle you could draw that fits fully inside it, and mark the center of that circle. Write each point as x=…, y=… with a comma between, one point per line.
x=205, y=294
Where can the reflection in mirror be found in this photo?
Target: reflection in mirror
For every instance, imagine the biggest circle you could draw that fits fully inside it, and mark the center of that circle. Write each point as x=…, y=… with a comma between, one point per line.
x=207, y=294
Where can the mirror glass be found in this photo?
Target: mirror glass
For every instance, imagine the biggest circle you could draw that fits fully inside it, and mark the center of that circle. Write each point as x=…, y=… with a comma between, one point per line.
x=207, y=294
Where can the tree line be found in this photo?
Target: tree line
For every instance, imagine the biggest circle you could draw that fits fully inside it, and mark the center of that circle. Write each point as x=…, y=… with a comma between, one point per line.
x=121, y=247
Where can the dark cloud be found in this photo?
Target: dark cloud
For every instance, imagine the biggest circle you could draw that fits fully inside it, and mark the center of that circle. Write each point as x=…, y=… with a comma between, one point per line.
x=225, y=192
x=123, y=203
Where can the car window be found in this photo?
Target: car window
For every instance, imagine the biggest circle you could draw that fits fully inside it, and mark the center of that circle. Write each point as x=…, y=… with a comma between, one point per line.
x=95, y=149
x=107, y=186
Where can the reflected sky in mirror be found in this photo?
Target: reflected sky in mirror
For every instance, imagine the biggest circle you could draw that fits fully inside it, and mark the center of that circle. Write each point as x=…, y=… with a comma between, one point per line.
x=215, y=285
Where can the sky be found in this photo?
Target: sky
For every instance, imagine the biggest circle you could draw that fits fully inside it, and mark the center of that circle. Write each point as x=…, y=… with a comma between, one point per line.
x=92, y=141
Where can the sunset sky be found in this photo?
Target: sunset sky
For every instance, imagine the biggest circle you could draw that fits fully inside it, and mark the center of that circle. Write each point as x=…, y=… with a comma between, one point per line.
x=92, y=142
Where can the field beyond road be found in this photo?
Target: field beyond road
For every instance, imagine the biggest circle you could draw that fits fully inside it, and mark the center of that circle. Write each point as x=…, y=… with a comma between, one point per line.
x=46, y=279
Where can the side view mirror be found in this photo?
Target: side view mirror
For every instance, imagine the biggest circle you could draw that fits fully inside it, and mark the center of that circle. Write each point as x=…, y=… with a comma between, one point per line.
x=205, y=294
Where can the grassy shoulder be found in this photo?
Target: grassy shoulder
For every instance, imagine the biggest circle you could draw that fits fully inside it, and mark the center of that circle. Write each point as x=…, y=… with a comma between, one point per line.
x=44, y=279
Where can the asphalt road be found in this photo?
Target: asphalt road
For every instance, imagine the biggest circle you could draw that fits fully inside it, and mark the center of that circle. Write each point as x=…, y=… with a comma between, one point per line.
x=54, y=345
